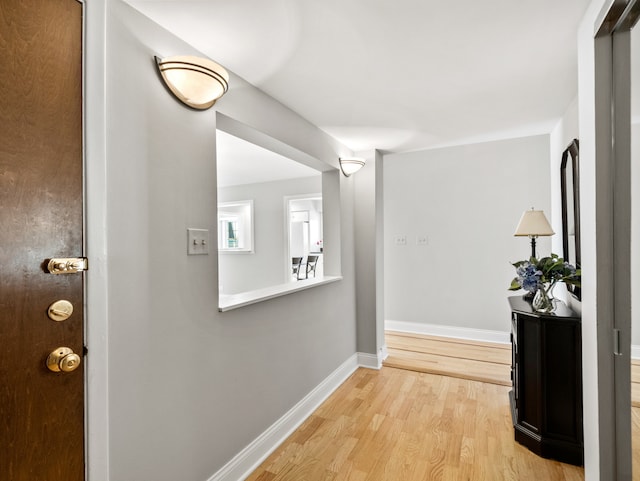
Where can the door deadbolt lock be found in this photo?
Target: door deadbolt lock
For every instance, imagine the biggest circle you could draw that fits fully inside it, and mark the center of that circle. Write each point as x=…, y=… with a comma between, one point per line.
x=67, y=265
x=60, y=310
x=63, y=359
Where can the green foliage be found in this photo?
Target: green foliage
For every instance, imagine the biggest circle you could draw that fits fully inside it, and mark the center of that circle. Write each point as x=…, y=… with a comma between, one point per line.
x=535, y=273
x=554, y=269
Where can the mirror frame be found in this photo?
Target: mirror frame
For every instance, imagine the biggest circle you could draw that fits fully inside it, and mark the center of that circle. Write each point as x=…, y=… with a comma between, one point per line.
x=571, y=159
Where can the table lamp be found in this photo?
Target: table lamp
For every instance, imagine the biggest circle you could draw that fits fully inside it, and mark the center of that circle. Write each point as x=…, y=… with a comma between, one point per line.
x=533, y=223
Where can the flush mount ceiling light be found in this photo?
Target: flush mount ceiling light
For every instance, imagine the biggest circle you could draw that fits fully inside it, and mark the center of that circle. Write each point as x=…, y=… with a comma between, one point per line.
x=196, y=82
x=350, y=165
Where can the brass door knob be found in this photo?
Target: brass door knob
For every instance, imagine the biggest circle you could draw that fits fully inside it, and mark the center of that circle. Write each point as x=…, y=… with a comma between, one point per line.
x=63, y=359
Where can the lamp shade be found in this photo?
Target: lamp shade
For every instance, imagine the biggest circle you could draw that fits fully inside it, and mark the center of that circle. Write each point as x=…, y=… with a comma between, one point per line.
x=533, y=223
x=351, y=165
x=196, y=82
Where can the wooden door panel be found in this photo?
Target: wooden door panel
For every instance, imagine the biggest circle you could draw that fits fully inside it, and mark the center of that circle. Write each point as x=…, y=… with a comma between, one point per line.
x=41, y=216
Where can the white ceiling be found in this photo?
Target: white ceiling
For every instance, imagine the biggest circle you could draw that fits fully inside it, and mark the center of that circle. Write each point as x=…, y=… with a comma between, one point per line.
x=396, y=75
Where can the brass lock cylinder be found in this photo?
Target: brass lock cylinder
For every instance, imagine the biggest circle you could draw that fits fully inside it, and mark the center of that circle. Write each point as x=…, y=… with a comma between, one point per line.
x=60, y=310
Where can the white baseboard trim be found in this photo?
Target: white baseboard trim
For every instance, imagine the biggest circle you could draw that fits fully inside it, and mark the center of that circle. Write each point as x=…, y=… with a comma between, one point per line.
x=635, y=352
x=448, y=331
x=370, y=361
x=247, y=460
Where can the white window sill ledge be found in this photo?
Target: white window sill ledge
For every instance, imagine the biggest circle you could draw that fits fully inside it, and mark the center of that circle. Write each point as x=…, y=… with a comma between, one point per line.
x=228, y=302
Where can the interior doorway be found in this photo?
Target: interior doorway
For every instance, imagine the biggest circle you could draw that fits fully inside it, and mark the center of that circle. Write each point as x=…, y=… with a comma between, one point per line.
x=304, y=234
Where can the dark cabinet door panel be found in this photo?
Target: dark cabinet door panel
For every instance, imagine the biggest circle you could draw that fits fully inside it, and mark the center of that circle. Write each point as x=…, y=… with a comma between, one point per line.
x=547, y=381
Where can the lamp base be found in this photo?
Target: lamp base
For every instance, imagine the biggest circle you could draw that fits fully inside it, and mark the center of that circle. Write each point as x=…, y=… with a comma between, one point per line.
x=533, y=247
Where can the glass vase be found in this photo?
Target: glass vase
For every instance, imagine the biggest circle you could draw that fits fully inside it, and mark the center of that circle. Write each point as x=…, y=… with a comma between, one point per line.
x=543, y=300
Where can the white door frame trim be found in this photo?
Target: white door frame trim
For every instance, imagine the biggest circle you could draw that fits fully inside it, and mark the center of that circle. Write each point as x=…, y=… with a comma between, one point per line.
x=96, y=292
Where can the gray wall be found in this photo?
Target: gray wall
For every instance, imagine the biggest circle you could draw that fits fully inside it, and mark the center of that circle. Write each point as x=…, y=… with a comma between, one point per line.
x=635, y=185
x=467, y=201
x=369, y=255
x=635, y=233
x=264, y=267
x=189, y=387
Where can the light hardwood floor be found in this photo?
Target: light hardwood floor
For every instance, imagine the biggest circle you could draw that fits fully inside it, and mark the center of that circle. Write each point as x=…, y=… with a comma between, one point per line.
x=401, y=425
x=408, y=425
x=475, y=360
x=635, y=383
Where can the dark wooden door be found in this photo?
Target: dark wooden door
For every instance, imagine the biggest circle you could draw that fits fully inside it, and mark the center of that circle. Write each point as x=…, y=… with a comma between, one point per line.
x=41, y=217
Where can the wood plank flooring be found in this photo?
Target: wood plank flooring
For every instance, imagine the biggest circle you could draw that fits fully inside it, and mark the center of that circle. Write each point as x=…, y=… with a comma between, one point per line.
x=408, y=425
x=474, y=360
x=400, y=425
x=635, y=383
x=635, y=443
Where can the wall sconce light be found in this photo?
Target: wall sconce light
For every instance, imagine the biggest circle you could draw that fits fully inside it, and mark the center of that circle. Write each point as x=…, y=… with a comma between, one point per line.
x=351, y=165
x=533, y=223
x=196, y=82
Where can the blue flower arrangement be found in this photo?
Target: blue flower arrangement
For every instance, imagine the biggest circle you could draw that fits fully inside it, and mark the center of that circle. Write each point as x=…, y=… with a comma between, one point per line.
x=537, y=274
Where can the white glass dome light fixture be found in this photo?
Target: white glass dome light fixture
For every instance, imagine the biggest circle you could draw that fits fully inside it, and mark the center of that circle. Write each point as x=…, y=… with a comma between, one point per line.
x=351, y=165
x=197, y=82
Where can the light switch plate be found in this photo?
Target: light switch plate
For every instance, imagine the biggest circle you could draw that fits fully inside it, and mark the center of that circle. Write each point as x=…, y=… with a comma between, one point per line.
x=197, y=241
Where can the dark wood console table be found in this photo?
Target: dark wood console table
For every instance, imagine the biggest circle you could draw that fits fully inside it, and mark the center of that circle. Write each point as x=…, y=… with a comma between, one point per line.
x=546, y=370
